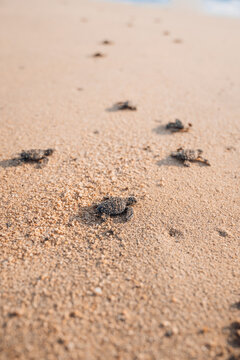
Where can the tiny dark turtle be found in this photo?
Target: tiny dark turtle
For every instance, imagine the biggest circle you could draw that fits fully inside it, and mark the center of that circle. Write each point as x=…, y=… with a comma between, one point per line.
x=178, y=126
x=98, y=55
x=112, y=206
x=107, y=42
x=125, y=105
x=188, y=155
x=177, y=41
x=35, y=155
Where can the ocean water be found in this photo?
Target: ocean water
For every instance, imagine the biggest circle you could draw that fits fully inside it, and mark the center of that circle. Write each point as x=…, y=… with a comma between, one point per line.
x=214, y=7
x=223, y=7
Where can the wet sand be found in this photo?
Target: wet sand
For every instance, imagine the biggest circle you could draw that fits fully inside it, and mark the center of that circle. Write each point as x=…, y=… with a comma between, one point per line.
x=164, y=285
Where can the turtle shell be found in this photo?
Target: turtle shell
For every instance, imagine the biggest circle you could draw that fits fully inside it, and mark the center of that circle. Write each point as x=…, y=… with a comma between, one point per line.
x=35, y=154
x=112, y=206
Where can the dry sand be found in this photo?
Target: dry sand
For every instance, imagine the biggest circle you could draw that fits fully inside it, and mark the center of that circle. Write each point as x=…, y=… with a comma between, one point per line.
x=164, y=285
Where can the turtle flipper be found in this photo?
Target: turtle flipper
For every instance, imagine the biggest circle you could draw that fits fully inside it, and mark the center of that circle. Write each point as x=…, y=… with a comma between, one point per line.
x=129, y=213
x=42, y=163
x=204, y=161
x=105, y=198
x=174, y=154
x=186, y=163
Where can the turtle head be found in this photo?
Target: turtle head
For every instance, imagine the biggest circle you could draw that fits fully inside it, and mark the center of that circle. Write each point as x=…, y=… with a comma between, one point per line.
x=131, y=200
x=179, y=124
x=48, y=152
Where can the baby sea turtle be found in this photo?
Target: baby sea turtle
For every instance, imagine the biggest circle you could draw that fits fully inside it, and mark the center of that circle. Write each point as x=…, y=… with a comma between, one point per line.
x=98, y=55
x=188, y=155
x=125, y=105
x=112, y=206
x=36, y=155
x=107, y=42
x=177, y=126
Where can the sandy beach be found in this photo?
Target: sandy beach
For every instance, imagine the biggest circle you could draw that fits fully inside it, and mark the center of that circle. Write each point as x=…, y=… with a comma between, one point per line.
x=164, y=285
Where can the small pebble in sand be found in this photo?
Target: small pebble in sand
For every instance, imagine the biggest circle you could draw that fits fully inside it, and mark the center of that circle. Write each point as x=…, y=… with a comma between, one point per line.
x=175, y=233
x=75, y=314
x=170, y=329
x=230, y=148
x=61, y=341
x=222, y=233
x=98, y=55
x=204, y=330
x=112, y=206
x=147, y=148
x=168, y=333
x=188, y=155
x=15, y=313
x=178, y=126
x=98, y=291
x=160, y=183
x=125, y=105
x=109, y=232
x=35, y=155
x=165, y=323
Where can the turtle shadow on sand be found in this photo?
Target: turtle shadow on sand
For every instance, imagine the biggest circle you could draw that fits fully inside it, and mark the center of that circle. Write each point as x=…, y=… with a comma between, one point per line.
x=11, y=163
x=19, y=162
x=113, y=108
x=89, y=216
x=161, y=130
x=169, y=161
x=34, y=156
x=86, y=215
x=116, y=219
